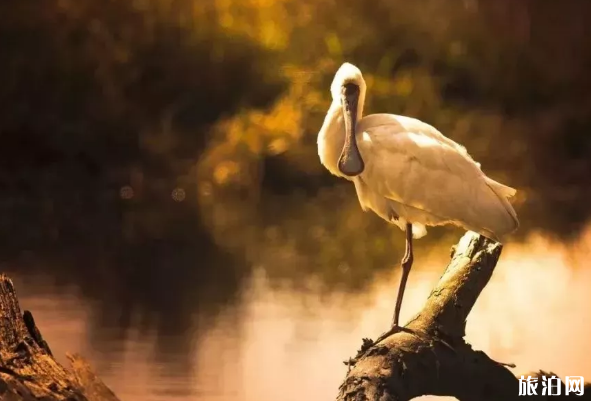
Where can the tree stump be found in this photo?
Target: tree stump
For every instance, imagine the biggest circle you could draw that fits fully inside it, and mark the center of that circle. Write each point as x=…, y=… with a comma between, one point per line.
x=28, y=371
x=430, y=356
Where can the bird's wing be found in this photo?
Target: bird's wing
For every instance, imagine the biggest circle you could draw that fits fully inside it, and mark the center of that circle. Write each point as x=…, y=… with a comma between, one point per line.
x=415, y=165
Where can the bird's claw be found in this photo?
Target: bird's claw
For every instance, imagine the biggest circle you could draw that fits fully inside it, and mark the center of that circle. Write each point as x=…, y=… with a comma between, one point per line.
x=369, y=343
x=393, y=330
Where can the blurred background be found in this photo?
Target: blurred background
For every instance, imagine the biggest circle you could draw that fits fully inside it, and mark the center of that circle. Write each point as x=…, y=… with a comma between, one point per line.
x=163, y=210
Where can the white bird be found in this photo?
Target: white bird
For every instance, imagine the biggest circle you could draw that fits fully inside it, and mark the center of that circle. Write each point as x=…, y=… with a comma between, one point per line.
x=407, y=172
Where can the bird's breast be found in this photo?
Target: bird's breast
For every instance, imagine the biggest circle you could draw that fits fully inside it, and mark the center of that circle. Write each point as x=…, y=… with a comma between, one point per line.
x=331, y=140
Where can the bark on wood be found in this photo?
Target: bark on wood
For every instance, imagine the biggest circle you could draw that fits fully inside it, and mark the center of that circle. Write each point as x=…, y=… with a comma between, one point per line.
x=28, y=370
x=430, y=355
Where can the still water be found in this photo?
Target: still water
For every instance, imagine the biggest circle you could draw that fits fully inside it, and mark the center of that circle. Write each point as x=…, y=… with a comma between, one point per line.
x=534, y=313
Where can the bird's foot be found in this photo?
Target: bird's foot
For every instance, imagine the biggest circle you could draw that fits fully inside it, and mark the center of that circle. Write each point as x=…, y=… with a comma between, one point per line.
x=393, y=330
x=368, y=343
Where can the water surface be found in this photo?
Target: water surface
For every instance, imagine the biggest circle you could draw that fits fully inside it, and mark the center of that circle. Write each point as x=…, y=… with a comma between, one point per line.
x=279, y=343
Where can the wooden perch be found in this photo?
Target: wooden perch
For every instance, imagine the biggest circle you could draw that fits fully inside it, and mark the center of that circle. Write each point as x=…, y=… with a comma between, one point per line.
x=430, y=355
x=28, y=370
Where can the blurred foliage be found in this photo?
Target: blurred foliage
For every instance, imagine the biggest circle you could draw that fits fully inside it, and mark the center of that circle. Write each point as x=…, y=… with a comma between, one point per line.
x=222, y=100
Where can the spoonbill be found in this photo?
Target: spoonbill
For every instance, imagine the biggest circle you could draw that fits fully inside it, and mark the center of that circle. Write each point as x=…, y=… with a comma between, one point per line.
x=408, y=172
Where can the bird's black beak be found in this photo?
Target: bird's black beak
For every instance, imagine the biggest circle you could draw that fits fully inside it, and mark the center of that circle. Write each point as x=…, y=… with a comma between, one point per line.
x=350, y=162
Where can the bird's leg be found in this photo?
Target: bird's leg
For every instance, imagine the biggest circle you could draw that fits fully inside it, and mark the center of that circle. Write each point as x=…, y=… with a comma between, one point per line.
x=406, y=263
x=407, y=260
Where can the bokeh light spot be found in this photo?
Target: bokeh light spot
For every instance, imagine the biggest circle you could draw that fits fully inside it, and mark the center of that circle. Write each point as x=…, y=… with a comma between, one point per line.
x=126, y=192
x=178, y=194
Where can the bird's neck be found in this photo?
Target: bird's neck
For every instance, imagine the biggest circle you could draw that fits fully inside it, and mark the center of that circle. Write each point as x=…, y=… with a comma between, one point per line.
x=331, y=137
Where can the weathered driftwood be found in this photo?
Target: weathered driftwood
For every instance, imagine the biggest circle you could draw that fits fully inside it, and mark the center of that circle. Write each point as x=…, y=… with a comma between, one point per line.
x=430, y=355
x=28, y=370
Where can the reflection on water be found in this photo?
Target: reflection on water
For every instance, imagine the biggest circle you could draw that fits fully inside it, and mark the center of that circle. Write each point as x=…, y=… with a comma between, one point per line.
x=532, y=314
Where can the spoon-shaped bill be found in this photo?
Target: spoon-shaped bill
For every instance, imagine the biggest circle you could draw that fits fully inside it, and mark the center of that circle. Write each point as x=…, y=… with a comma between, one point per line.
x=350, y=162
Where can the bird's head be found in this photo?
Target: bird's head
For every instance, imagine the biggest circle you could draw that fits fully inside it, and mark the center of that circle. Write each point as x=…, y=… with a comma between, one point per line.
x=348, y=88
x=346, y=74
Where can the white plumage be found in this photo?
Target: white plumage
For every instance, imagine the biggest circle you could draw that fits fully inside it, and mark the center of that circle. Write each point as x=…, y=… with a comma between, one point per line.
x=407, y=172
x=414, y=172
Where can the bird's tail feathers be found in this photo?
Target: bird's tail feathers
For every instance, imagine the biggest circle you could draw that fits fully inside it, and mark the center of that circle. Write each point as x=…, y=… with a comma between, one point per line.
x=501, y=189
x=504, y=192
